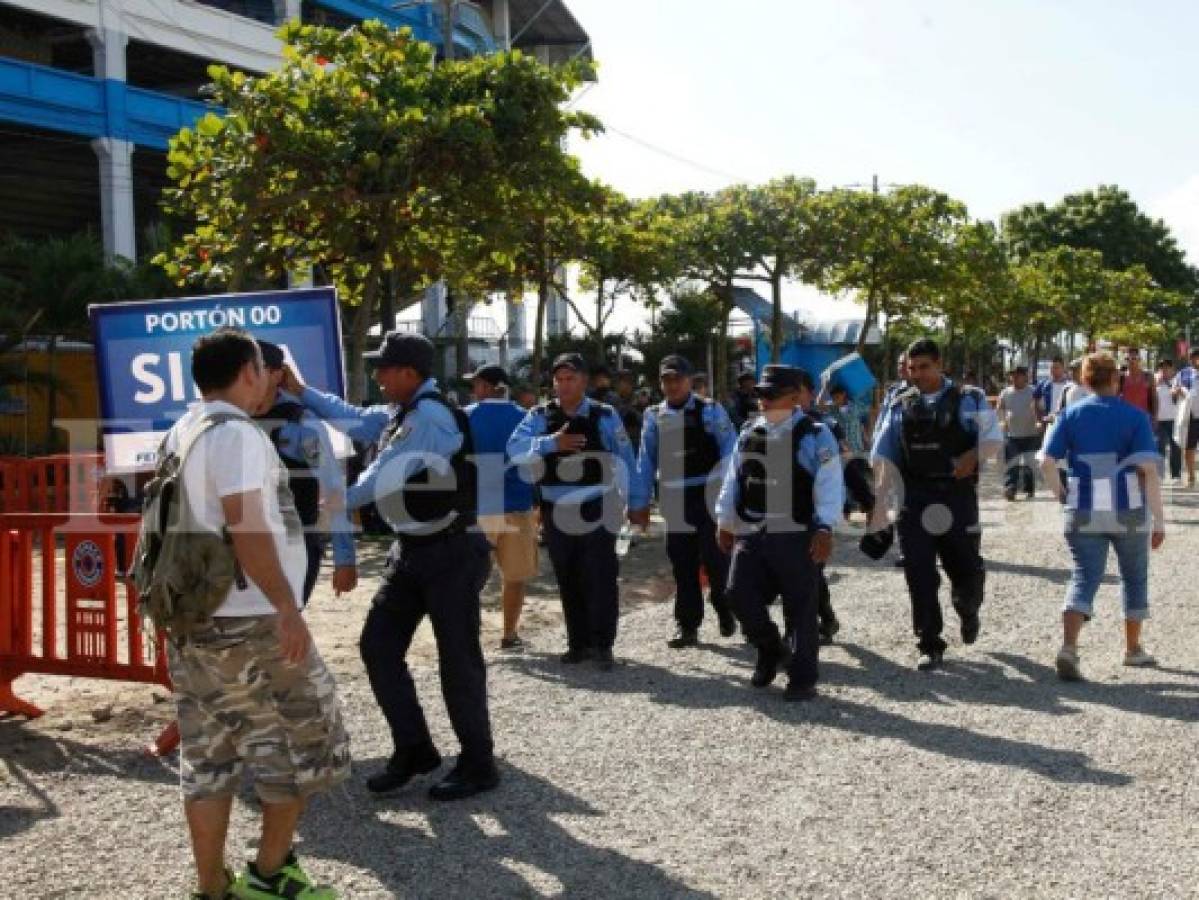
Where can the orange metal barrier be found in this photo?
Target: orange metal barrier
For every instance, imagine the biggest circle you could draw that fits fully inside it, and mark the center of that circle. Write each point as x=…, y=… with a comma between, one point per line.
x=64, y=483
x=90, y=628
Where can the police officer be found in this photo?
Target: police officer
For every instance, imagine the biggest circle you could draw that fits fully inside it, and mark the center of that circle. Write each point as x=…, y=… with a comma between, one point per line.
x=830, y=625
x=423, y=485
x=582, y=458
x=304, y=447
x=782, y=496
x=928, y=444
x=686, y=441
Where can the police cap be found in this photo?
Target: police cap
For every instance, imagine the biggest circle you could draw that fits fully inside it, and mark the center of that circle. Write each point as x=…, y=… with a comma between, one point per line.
x=401, y=349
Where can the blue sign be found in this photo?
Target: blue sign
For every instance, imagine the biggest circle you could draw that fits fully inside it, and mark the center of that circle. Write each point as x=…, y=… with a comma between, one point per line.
x=143, y=357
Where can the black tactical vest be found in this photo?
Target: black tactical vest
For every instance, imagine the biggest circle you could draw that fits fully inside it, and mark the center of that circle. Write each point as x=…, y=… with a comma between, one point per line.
x=696, y=454
x=592, y=465
x=305, y=486
x=757, y=481
x=932, y=437
x=445, y=502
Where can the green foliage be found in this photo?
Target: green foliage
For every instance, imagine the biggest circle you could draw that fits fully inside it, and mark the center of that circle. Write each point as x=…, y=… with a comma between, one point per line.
x=361, y=156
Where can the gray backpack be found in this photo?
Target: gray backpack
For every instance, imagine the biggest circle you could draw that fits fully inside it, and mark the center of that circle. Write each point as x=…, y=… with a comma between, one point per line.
x=183, y=572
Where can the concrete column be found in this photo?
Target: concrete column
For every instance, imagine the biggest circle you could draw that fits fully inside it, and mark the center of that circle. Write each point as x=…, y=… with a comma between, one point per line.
x=432, y=311
x=108, y=52
x=116, y=197
x=502, y=23
x=516, y=326
x=287, y=10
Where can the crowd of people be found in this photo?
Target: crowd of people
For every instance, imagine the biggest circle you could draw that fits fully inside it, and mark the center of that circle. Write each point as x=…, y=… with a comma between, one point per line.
x=751, y=497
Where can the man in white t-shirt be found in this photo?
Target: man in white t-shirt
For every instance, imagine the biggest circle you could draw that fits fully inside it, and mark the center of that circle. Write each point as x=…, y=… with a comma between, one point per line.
x=251, y=690
x=1167, y=410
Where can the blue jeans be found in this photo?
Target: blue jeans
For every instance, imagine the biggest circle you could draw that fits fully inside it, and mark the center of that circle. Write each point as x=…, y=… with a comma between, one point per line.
x=1128, y=534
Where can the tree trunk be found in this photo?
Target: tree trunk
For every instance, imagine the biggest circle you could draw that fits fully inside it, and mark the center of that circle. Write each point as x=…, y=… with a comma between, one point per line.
x=543, y=299
x=599, y=323
x=356, y=340
x=776, y=313
x=458, y=307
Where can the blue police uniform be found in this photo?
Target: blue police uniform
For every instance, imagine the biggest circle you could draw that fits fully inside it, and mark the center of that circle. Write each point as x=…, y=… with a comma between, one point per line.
x=922, y=436
x=686, y=449
x=420, y=482
x=782, y=483
x=303, y=445
x=582, y=497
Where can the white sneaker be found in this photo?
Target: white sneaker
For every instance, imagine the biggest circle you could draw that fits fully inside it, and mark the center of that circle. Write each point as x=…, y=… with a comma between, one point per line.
x=1068, y=668
x=1140, y=658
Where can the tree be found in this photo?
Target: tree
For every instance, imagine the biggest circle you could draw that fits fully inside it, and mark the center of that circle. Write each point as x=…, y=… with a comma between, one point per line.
x=359, y=156
x=1106, y=220
x=894, y=250
x=788, y=241
x=710, y=239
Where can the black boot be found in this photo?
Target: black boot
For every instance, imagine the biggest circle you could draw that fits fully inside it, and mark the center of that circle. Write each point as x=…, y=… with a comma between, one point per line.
x=468, y=778
x=684, y=637
x=403, y=766
x=770, y=655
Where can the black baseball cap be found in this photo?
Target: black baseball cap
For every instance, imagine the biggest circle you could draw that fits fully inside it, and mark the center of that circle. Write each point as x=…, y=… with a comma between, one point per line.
x=746, y=376
x=569, y=361
x=674, y=364
x=777, y=379
x=403, y=349
x=493, y=375
x=272, y=354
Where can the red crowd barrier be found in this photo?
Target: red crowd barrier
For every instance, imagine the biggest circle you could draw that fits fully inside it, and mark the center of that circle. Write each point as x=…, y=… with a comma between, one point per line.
x=64, y=483
x=88, y=629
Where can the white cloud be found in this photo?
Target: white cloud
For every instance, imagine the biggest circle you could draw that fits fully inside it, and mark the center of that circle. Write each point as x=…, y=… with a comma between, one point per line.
x=1179, y=208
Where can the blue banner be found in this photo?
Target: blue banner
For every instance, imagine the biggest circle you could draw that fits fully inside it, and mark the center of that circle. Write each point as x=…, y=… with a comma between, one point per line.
x=143, y=357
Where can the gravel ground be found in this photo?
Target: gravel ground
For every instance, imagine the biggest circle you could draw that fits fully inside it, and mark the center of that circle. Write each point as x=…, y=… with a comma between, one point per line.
x=671, y=777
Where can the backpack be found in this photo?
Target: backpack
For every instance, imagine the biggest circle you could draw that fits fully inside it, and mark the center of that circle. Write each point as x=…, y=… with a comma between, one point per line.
x=182, y=571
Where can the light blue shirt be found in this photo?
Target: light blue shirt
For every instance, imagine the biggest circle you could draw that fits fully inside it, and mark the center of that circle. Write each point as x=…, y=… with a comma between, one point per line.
x=427, y=439
x=531, y=443
x=716, y=423
x=818, y=453
x=975, y=414
x=308, y=439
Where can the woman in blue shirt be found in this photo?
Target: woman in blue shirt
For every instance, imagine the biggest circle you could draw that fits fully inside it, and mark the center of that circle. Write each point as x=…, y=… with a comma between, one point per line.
x=1112, y=487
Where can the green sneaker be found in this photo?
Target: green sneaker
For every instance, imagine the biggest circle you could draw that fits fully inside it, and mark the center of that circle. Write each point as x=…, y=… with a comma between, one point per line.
x=200, y=895
x=289, y=882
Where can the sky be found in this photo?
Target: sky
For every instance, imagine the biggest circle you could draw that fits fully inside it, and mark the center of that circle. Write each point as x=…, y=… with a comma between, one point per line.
x=996, y=102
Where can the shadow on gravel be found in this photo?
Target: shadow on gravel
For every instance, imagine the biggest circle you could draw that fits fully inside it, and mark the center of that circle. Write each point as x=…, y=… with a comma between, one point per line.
x=27, y=752
x=709, y=691
x=1162, y=700
x=503, y=844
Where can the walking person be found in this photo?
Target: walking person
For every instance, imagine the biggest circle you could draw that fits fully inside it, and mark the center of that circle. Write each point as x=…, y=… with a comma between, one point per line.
x=585, y=459
x=1167, y=411
x=1113, y=500
x=1049, y=391
x=423, y=486
x=781, y=498
x=1016, y=408
x=313, y=473
x=282, y=723
x=928, y=447
x=850, y=416
x=1184, y=384
x=506, y=512
x=1136, y=386
x=686, y=442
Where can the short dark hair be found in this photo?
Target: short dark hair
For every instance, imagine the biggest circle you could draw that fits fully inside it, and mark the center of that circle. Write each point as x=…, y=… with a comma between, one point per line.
x=1166, y=364
x=1194, y=352
x=1020, y=370
x=218, y=358
x=1058, y=359
x=926, y=347
x=838, y=389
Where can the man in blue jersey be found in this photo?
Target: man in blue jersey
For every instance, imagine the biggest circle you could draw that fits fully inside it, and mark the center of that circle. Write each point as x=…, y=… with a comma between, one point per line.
x=506, y=513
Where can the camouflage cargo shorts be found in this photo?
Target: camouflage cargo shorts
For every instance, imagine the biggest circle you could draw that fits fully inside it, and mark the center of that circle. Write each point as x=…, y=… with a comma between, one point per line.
x=243, y=706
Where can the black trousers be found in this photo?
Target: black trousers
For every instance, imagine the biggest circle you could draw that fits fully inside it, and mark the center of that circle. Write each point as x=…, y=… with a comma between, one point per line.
x=942, y=525
x=690, y=544
x=1168, y=448
x=314, y=547
x=441, y=580
x=1019, y=454
x=765, y=565
x=581, y=541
